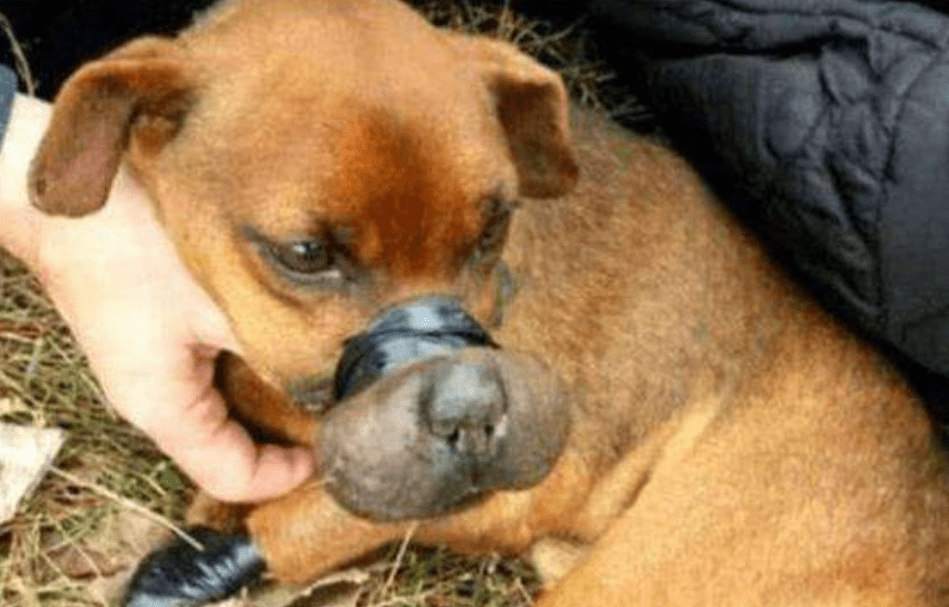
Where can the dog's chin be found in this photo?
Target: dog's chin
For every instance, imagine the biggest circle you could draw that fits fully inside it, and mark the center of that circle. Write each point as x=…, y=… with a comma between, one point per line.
x=443, y=434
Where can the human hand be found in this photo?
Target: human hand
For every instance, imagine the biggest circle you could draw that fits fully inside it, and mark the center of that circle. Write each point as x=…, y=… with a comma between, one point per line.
x=151, y=335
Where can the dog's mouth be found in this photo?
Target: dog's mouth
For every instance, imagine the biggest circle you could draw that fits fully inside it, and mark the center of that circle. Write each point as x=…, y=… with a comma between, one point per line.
x=437, y=436
x=400, y=336
x=431, y=416
x=420, y=330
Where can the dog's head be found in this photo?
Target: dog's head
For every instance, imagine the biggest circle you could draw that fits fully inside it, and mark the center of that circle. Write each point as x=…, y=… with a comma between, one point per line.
x=315, y=162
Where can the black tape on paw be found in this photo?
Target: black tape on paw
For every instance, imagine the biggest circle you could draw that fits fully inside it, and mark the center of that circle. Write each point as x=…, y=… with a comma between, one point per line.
x=180, y=575
x=419, y=330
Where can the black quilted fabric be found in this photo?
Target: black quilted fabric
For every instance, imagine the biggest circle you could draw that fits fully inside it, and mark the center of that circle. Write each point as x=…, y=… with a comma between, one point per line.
x=826, y=124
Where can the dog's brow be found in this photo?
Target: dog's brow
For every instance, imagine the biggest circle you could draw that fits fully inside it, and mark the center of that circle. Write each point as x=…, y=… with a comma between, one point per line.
x=258, y=235
x=340, y=235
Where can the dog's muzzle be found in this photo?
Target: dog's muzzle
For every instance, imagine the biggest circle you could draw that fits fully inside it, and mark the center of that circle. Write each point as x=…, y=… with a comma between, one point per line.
x=433, y=416
x=418, y=330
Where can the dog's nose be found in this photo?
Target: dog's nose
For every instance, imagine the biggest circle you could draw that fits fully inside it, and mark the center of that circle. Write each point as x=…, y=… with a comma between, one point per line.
x=466, y=408
x=417, y=330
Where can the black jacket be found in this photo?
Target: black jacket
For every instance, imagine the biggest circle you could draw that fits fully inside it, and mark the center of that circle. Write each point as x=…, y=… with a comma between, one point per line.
x=825, y=123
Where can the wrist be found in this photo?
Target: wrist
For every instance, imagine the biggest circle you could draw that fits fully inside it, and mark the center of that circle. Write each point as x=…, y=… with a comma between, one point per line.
x=19, y=221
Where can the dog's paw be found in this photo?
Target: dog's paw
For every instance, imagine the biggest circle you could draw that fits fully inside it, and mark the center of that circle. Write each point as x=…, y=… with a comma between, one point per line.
x=181, y=575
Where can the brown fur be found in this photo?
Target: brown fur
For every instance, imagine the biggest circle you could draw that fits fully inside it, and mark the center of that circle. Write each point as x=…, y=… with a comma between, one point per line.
x=731, y=444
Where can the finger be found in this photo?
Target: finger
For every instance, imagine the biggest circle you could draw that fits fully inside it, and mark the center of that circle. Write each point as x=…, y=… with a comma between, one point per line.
x=219, y=455
x=231, y=468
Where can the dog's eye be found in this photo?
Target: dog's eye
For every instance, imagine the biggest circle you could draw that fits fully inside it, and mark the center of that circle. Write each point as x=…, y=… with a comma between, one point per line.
x=494, y=232
x=304, y=257
x=308, y=261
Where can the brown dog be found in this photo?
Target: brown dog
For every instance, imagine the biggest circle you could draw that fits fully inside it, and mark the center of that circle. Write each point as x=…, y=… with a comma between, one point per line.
x=715, y=439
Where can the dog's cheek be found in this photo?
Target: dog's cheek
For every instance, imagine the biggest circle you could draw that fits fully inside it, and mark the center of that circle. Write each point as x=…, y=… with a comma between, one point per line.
x=286, y=345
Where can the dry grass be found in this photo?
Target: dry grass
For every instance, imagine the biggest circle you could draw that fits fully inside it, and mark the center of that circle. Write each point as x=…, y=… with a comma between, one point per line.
x=570, y=49
x=44, y=381
x=56, y=548
x=439, y=578
x=19, y=57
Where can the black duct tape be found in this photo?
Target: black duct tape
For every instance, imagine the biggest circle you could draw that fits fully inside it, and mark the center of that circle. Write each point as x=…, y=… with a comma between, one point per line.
x=182, y=575
x=418, y=330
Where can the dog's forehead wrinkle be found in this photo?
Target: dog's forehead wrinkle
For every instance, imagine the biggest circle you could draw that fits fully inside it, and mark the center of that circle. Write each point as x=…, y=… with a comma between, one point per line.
x=372, y=133
x=398, y=182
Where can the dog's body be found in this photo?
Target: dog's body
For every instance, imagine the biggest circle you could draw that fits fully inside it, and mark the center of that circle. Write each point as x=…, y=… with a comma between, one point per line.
x=728, y=443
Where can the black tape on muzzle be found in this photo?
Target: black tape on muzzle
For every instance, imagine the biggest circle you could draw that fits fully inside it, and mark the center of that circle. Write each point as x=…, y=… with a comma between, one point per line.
x=418, y=330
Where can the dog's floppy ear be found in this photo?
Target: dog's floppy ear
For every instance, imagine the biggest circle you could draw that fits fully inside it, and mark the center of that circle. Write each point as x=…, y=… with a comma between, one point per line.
x=532, y=104
x=146, y=83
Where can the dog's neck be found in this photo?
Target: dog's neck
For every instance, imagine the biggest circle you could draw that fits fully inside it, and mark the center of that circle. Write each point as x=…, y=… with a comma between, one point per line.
x=657, y=244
